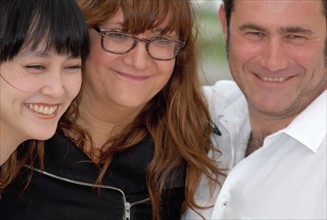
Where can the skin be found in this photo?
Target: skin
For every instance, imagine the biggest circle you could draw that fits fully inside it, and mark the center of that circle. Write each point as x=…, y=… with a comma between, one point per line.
x=116, y=87
x=36, y=89
x=276, y=56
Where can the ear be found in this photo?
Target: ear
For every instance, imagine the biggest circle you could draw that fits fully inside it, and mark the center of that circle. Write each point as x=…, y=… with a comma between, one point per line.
x=223, y=21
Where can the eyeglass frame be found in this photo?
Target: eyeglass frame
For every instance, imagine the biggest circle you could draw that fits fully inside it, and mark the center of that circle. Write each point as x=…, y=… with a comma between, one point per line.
x=103, y=31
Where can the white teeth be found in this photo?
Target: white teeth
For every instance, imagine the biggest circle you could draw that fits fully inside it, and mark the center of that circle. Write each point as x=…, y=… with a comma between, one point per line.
x=45, y=110
x=280, y=79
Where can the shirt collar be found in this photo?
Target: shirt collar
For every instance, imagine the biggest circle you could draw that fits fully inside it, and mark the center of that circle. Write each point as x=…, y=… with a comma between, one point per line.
x=237, y=113
x=309, y=127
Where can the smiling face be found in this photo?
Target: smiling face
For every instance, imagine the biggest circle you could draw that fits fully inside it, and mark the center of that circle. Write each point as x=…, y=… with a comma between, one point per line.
x=36, y=87
x=276, y=54
x=124, y=81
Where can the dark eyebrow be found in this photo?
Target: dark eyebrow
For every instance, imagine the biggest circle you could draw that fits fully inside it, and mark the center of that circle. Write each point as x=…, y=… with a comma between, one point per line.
x=283, y=30
x=250, y=26
x=295, y=29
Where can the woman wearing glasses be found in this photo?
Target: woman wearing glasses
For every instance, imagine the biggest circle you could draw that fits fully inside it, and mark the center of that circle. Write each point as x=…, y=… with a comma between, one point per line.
x=40, y=72
x=135, y=142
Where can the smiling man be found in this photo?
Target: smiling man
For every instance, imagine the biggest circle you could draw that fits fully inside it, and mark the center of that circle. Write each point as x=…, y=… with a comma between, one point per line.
x=274, y=125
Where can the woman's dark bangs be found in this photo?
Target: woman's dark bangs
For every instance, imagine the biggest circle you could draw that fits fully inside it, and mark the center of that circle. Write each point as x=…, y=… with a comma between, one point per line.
x=61, y=30
x=56, y=25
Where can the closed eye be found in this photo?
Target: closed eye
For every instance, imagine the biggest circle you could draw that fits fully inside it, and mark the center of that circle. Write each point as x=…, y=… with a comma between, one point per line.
x=117, y=36
x=73, y=67
x=255, y=35
x=162, y=41
x=296, y=38
x=35, y=67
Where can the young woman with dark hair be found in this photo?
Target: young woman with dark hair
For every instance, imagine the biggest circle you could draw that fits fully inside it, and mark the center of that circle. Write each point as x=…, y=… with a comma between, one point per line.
x=42, y=46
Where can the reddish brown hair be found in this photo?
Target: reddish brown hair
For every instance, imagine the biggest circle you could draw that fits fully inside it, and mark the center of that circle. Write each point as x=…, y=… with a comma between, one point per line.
x=177, y=117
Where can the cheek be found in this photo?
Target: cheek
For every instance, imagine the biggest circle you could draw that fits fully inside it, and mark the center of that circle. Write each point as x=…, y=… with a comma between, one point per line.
x=237, y=57
x=5, y=95
x=304, y=54
x=241, y=50
x=99, y=60
x=310, y=58
x=73, y=85
x=94, y=57
x=11, y=101
x=97, y=57
x=166, y=68
x=165, y=71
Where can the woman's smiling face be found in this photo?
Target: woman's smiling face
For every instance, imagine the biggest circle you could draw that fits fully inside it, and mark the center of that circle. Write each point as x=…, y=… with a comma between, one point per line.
x=36, y=88
x=125, y=80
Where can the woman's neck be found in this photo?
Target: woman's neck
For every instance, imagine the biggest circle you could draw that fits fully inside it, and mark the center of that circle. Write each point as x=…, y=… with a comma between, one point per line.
x=102, y=120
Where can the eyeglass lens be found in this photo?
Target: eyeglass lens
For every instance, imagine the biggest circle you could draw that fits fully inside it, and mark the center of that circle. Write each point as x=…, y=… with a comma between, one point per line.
x=158, y=48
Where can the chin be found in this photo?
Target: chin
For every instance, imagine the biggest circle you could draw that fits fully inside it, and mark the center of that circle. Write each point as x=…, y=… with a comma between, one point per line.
x=43, y=134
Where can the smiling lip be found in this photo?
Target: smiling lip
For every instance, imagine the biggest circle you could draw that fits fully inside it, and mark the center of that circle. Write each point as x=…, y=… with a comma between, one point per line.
x=45, y=111
x=132, y=77
x=272, y=79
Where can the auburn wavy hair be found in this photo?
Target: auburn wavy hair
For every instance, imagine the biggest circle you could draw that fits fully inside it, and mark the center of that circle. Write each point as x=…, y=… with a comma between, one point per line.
x=177, y=117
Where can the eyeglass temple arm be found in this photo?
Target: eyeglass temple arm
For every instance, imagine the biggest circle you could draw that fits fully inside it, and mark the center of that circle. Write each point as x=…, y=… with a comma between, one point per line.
x=97, y=29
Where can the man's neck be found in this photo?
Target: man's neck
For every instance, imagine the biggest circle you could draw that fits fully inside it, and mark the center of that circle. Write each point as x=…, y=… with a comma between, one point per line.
x=255, y=142
x=261, y=127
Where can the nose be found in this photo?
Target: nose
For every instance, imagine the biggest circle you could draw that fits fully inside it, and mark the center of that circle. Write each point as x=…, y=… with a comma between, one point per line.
x=138, y=57
x=53, y=84
x=275, y=55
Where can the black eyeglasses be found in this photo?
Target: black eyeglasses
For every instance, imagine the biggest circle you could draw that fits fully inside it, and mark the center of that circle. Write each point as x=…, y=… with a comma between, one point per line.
x=158, y=48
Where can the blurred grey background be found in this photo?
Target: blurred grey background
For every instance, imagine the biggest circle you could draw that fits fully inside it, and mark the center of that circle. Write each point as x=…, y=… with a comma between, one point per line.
x=213, y=63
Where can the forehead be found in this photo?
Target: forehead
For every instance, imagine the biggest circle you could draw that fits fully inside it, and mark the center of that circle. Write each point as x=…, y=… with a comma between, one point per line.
x=307, y=13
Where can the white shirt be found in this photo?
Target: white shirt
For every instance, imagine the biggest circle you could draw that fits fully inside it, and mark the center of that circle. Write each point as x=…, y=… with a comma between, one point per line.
x=284, y=179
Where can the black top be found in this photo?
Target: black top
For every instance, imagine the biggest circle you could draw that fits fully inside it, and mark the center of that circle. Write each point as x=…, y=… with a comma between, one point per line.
x=66, y=190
